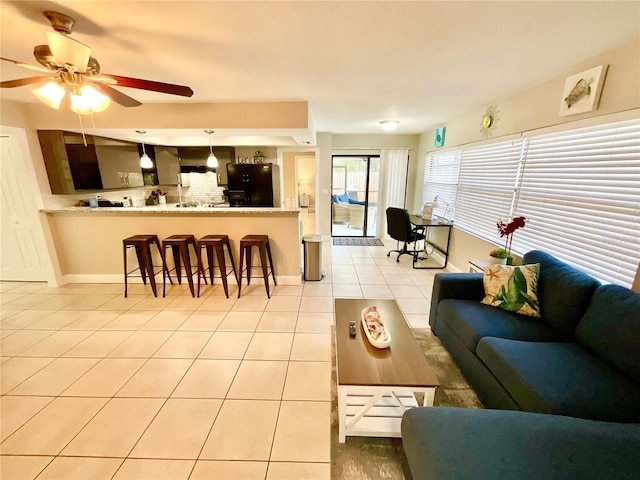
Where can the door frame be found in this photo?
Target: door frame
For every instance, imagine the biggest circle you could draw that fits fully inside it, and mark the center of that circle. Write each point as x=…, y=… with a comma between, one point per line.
x=26, y=178
x=367, y=158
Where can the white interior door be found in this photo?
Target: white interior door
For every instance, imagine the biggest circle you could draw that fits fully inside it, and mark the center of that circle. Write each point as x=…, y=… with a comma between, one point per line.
x=22, y=250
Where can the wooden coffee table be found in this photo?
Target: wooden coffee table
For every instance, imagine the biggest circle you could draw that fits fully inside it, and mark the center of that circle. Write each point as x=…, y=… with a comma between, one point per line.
x=375, y=387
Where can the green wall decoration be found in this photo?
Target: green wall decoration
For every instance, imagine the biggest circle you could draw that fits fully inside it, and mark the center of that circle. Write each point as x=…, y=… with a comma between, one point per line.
x=439, y=140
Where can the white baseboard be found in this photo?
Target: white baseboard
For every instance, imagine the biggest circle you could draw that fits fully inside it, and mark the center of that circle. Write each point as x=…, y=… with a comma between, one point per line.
x=118, y=278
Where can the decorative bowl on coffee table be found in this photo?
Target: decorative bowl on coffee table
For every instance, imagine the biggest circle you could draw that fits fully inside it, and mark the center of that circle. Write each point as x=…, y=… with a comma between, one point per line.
x=374, y=327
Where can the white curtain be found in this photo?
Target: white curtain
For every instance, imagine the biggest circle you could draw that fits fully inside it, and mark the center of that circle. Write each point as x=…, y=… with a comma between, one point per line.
x=393, y=185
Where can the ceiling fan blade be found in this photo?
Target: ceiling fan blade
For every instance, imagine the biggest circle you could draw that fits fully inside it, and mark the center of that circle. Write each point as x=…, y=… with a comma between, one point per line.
x=147, y=85
x=21, y=82
x=66, y=50
x=115, y=95
x=26, y=65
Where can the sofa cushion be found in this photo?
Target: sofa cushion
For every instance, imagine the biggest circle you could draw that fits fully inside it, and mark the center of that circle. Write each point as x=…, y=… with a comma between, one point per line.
x=610, y=328
x=560, y=378
x=471, y=320
x=514, y=289
x=344, y=198
x=564, y=291
x=443, y=443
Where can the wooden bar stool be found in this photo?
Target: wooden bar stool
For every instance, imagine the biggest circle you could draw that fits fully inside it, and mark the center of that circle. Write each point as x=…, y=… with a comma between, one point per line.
x=262, y=242
x=180, y=248
x=142, y=245
x=216, y=243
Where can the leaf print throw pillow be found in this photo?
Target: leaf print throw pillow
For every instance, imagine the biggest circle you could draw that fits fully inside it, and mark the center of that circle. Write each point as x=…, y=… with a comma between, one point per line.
x=514, y=289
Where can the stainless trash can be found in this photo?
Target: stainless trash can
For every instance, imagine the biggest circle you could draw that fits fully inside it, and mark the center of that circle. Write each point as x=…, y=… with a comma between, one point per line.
x=312, y=257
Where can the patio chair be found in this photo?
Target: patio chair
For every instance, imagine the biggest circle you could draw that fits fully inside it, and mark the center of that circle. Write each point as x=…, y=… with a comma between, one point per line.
x=340, y=212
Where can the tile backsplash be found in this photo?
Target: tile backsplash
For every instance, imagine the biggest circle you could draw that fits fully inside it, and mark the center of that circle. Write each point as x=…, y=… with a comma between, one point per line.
x=203, y=189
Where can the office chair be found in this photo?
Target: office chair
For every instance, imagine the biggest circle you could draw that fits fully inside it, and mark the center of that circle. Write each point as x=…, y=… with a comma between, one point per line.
x=399, y=228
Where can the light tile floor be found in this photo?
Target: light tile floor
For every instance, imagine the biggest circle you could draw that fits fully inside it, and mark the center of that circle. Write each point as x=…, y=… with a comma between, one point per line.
x=94, y=385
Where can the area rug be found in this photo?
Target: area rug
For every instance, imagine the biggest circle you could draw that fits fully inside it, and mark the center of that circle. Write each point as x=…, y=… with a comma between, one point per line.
x=369, y=458
x=358, y=242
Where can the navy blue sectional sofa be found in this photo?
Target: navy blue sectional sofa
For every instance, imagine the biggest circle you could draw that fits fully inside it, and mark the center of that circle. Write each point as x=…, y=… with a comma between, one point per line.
x=581, y=360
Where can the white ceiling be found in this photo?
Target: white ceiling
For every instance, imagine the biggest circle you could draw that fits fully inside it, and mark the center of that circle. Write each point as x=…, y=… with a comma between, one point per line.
x=355, y=63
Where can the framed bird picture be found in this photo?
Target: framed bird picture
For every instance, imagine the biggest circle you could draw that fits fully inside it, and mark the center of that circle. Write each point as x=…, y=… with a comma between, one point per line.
x=582, y=91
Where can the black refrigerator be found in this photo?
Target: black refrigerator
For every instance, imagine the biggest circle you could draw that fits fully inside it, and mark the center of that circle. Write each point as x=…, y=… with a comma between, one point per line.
x=260, y=183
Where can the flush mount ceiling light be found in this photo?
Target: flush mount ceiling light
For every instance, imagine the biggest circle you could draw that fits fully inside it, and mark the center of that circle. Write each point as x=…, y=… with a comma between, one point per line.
x=145, y=161
x=389, y=125
x=212, y=161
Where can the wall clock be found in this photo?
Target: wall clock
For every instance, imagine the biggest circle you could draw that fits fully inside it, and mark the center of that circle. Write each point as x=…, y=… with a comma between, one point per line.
x=488, y=121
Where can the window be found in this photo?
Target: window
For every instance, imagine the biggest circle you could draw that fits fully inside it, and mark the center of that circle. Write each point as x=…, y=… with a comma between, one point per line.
x=580, y=191
x=441, y=179
x=486, y=186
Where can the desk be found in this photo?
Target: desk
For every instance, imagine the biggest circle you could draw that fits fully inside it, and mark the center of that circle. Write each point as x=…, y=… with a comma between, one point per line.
x=426, y=225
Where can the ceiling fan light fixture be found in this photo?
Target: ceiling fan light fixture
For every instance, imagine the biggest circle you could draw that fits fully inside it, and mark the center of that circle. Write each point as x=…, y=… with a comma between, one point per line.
x=51, y=93
x=388, y=125
x=212, y=161
x=96, y=100
x=68, y=51
x=79, y=104
x=89, y=100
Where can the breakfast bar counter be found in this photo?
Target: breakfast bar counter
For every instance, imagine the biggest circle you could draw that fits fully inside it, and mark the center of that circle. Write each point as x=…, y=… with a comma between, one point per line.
x=88, y=241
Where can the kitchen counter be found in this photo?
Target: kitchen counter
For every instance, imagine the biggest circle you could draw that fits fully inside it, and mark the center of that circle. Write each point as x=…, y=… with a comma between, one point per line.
x=172, y=208
x=88, y=241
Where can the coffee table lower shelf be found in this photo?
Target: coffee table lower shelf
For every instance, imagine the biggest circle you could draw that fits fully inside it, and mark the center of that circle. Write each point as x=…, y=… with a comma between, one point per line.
x=376, y=411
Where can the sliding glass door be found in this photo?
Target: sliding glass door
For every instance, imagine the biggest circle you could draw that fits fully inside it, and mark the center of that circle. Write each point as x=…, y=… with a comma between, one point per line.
x=355, y=184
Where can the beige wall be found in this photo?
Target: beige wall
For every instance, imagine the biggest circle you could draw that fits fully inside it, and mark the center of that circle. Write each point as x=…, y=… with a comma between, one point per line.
x=306, y=172
x=532, y=109
x=535, y=108
x=241, y=115
x=89, y=244
x=323, y=195
x=289, y=175
x=270, y=153
x=329, y=145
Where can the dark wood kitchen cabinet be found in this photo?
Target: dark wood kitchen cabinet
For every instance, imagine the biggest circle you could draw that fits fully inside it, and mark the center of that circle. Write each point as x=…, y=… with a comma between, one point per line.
x=167, y=164
x=119, y=163
x=71, y=165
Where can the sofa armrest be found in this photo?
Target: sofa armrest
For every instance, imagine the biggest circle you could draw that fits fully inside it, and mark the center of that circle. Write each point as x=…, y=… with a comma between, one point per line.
x=455, y=443
x=463, y=286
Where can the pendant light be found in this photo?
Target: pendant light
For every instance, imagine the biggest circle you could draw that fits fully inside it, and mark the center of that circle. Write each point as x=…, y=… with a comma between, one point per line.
x=145, y=161
x=212, y=161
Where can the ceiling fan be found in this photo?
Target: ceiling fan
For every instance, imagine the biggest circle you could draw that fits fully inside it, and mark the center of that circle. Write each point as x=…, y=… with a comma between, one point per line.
x=78, y=73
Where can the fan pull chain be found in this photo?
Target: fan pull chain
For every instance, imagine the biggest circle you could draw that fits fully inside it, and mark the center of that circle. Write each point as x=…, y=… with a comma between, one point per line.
x=84, y=138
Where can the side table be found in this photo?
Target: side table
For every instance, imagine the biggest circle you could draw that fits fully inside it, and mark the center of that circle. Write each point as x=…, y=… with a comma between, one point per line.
x=477, y=266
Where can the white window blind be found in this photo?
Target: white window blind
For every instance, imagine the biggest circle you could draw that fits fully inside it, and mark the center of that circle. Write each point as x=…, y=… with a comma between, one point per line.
x=486, y=187
x=580, y=190
x=441, y=179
